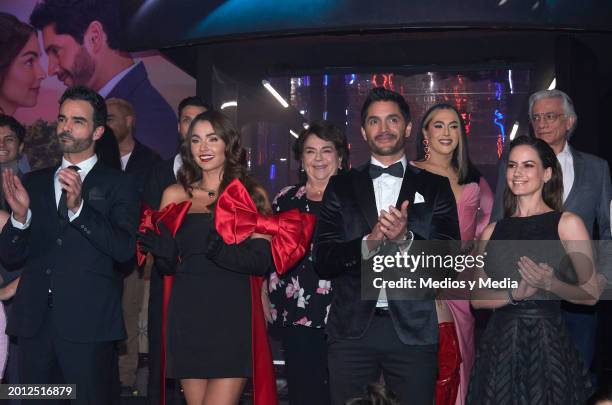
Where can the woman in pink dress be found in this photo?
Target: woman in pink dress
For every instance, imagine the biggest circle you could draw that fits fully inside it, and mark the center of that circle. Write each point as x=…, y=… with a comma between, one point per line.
x=442, y=149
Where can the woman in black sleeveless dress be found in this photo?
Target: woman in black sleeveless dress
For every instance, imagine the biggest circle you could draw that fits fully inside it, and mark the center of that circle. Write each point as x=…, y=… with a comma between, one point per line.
x=209, y=325
x=525, y=355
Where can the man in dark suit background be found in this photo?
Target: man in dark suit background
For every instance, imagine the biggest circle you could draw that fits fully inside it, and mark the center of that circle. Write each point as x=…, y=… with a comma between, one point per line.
x=68, y=225
x=359, y=211
x=163, y=175
x=81, y=40
x=137, y=160
x=586, y=192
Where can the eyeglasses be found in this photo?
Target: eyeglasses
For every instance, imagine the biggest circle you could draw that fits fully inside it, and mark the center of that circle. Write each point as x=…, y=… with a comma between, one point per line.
x=549, y=117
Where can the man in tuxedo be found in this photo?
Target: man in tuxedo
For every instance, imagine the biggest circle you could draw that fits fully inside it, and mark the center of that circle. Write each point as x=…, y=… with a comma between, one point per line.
x=81, y=40
x=586, y=192
x=163, y=175
x=137, y=160
x=360, y=210
x=68, y=225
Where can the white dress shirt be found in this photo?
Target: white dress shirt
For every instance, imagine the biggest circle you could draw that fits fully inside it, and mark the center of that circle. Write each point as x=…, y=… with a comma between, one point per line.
x=110, y=85
x=125, y=159
x=386, y=192
x=84, y=168
x=567, y=167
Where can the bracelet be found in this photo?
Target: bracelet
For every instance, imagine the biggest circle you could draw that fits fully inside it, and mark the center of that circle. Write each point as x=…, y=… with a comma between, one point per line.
x=511, y=299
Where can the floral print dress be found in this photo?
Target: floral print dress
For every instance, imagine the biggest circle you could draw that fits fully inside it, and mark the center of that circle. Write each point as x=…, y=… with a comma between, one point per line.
x=299, y=297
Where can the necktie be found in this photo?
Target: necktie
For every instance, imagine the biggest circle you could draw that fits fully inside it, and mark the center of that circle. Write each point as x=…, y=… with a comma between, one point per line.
x=396, y=169
x=62, y=207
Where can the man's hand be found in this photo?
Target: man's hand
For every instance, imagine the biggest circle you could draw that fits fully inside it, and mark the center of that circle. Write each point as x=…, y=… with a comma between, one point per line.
x=70, y=181
x=394, y=222
x=375, y=238
x=16, y=195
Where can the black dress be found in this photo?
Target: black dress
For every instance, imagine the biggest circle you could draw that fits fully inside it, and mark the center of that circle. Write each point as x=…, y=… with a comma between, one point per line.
x=209, y=314
x=525, y=355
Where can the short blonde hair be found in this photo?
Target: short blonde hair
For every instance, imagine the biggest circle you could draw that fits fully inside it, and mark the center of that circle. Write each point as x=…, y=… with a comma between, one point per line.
x=124, y=105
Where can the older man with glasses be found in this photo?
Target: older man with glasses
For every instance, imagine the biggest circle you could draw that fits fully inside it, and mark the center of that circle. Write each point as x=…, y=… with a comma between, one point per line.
x=586, y=192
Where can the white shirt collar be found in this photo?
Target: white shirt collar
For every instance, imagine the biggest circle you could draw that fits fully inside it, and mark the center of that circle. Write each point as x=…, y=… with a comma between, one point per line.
x=375, y=162
x=110, y=85
x=565, y=152
x=84, y=167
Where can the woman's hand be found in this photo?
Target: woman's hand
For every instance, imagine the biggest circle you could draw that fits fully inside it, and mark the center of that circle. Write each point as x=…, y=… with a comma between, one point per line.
x=539, y=275
x=523, y=291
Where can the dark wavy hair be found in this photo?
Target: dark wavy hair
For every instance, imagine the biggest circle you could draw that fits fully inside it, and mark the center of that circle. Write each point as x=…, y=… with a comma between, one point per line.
x=84, y=93
x=194, y=101
x=328, y=132
x=73, y=18
x=14, y=34
x=461, y=162
x=14, y=125
x=235, y=160
x=552, y=192
x=382, y=94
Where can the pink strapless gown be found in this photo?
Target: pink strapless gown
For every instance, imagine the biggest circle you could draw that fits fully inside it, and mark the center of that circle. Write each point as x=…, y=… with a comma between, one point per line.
x=474, y=211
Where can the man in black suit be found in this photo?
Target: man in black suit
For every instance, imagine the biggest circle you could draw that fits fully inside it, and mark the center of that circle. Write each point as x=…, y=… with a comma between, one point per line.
x=68, y=225
x=162, y=175
x=137, y=160
x=360, y=210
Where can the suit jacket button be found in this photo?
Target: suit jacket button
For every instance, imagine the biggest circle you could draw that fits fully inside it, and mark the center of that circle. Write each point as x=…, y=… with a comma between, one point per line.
x=59, y=241
x=48, y=271
x=15, y=239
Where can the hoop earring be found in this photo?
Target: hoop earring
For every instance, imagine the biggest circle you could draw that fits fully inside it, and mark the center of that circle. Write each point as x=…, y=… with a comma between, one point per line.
x=426, y=148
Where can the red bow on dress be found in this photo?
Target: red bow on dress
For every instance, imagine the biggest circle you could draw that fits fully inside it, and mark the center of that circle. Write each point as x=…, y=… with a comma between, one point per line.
x=237, y=218
x=172, y=216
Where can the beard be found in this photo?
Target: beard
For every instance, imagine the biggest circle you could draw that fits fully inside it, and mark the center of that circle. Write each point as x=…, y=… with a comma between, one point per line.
x=83, y=68
x=386, y=150
x=76, y=145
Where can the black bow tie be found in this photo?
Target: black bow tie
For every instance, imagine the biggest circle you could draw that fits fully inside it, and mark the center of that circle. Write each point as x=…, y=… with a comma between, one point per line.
x=396, y=169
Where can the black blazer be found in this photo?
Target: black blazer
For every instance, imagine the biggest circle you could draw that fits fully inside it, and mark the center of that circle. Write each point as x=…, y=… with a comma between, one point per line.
x=160, y=177
x=73, y=259
x=141, y=162
x=347, y=214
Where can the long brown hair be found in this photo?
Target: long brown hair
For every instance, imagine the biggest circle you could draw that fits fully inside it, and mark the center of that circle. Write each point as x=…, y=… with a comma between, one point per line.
x=552, y=191
x=235, y=160
x=14, y=35
x=461, y=162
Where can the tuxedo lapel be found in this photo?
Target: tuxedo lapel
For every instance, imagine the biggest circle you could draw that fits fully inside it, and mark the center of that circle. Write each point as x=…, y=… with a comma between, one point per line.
x=364, y=190
x=408, y=187
x=50, y=191
x=89, y=181
x=578, y=163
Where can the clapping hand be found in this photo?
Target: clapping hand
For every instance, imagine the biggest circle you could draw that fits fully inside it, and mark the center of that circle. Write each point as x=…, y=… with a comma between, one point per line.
x=394, y=222
x=539, y=275
x=523, y=291
x=16, y=195
x=72, y=183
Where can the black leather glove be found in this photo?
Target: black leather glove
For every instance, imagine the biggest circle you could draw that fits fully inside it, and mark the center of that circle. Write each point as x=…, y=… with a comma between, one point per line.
x=251, y=256
x=162, y=247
